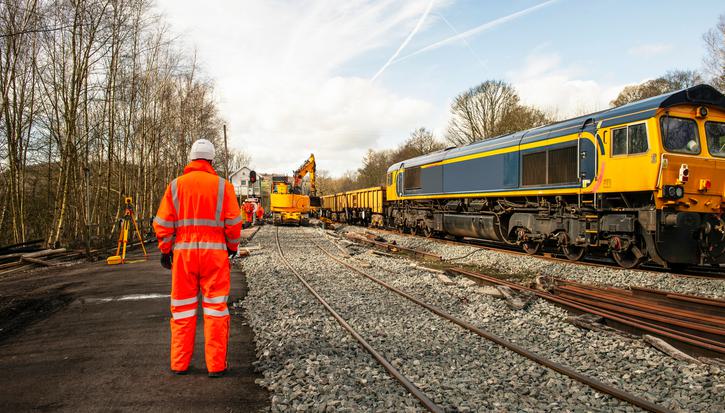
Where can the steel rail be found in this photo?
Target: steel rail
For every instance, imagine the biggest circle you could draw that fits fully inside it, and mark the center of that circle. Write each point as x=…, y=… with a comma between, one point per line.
x=393, y=247
x=620, y=318
x=612, y=306
x=683, y=297
x=412, y=388
x=650, y=310
x=565, y=370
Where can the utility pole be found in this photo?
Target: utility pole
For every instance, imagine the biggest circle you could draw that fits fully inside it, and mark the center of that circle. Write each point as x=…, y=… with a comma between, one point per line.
x=226, y=154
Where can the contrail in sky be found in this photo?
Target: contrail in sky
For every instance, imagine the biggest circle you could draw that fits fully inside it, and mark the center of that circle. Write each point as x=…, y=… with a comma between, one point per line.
x=405, y=42
x=468, y=45
x=479, y=29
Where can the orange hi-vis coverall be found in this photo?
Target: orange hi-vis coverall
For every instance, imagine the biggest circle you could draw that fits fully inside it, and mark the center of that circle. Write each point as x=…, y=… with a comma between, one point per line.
x=248, y=209
x=199, y=219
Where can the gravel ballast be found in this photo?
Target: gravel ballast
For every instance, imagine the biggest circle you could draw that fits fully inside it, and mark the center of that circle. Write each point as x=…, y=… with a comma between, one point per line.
x=310, y=363
x=523, y=266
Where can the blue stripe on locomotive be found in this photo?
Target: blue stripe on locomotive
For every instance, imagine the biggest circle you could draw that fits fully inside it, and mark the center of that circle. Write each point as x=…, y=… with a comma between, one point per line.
x=492, y=173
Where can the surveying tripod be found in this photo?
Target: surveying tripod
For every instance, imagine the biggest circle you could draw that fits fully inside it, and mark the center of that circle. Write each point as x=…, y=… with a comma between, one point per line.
x=127, y=220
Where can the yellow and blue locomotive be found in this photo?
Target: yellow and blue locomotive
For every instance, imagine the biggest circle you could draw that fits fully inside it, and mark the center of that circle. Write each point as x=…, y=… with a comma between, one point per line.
x=644, y=182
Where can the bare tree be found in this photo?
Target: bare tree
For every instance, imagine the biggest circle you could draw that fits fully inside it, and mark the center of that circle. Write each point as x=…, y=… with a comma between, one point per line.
x=669, y=82
x=238, y=159
x=715, y=57
x=96, y=103
x=490, y=109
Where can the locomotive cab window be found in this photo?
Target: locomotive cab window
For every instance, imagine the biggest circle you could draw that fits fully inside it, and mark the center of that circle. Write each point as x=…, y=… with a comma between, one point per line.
x=715, y=132
x=390, y=179
x=411, y=178
x=629, y=140
x=680, y=135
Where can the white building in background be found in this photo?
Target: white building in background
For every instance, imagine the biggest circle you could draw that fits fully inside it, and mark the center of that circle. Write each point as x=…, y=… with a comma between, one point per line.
x=240, y=181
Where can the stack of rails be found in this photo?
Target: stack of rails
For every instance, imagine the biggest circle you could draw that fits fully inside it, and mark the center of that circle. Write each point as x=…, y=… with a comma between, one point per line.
x=692, y=323
x=31, y=254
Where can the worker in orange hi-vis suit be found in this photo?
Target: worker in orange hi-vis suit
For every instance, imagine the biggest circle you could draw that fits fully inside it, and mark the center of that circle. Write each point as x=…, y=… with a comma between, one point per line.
x=260, y=214
x=248, y=208
x=199, y=221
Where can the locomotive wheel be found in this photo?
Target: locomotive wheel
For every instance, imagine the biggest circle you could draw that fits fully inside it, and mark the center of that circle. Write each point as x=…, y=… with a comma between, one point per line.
x=626, y=259
x=531, y=247
x=573, y=253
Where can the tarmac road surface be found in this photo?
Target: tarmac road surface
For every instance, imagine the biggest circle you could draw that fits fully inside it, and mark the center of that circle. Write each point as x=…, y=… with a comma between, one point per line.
x=95, y=337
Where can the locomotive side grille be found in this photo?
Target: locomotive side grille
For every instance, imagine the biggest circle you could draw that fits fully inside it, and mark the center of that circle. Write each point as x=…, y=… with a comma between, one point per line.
x=534, y=169
x=562, y=166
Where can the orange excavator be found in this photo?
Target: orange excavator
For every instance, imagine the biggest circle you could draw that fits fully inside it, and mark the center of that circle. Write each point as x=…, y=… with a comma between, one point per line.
x=287, y=202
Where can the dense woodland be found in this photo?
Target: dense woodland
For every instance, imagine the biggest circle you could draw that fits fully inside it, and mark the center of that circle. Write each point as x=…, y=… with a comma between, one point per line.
x=494, y=108
x=98, y=101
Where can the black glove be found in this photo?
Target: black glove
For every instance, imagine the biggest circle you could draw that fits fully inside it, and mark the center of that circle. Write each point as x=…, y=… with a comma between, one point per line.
x=166, y=260
x=231, y=253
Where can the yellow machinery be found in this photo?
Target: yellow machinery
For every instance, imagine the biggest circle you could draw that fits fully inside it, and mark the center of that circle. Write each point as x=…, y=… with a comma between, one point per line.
x=128, y=219
x=287, y=202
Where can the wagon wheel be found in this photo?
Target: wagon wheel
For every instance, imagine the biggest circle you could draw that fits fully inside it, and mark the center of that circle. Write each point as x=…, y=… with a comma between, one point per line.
x=413, y=230
x=531, y=247
x=427, y=231
x=573, y=253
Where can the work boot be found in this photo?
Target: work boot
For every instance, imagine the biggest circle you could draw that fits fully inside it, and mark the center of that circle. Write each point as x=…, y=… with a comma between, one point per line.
x=217, y=374
x=180, y=372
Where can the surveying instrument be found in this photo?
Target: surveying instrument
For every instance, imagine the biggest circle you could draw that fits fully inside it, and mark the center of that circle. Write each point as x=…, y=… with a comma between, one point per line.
x=126, y=221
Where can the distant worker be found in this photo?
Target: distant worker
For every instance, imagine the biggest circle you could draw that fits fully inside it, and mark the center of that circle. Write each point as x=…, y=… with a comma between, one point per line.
x=248, y=208
x=260, y=214
x=199, y=222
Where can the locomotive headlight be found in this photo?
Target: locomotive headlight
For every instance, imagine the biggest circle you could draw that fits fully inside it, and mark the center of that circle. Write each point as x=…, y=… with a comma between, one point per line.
x=673, y=192
x=702, y=112
x=684, y=173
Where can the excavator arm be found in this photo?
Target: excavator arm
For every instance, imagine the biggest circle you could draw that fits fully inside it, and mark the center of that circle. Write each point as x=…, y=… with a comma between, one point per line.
x=308, y=167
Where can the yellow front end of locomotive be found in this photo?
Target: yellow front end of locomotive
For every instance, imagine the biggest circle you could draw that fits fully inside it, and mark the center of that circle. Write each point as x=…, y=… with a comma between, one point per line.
x=692, y=177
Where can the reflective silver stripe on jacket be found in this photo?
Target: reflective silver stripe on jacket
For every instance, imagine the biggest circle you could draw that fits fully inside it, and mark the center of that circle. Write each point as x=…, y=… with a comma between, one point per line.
x=164, y=223
x=184, y=301
x=233, y=221
x=217, y=313
x=200, y=245
x=216, y=300
x=233, y=241
x=220, y=199
x=168, y=239
x=183, y=314
x=175, y=195
x=199, y=222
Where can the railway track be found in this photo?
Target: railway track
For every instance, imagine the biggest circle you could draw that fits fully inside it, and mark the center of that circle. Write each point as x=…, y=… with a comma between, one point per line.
x=500, y=341
x=696, y=324
x=387, y=365
x=705, y=272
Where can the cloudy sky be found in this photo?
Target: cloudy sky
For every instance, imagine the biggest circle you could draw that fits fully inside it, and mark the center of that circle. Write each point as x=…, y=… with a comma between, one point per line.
x=336, y=77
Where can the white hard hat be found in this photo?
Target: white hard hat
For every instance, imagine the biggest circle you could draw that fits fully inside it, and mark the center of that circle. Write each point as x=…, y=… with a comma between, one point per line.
x=202, y=149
